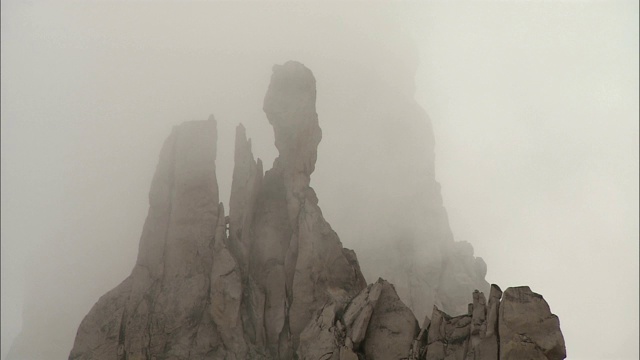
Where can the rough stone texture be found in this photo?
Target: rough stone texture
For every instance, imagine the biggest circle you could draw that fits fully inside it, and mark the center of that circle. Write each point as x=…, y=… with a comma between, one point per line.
x=198, y=292
x=374, y=325
x=392, y=327
x=225, y=294
x=272, y=280
x=247, y=179
x=322, y=337
x=448, y=337
x=162, y=308
x=527, y=328
x=478, y=317
x=358, y=314
x=295, y=259
x=518, y=327
x=484, y=338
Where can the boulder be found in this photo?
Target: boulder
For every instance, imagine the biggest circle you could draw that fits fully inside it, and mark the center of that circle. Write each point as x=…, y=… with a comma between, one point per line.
x=392, y=327
x=527, y=327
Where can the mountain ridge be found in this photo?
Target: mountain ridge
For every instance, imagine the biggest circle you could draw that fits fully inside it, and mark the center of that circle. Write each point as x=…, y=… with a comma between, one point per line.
x=272, y=280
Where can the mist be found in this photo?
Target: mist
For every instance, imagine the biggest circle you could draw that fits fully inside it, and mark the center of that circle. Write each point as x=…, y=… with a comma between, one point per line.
x=534, y=108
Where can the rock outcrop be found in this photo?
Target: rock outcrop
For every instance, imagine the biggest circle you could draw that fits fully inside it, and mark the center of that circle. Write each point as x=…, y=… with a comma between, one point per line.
x=376, y=324
x=272, y=280
x=163, y=309
x=520, y=326
x=392, y=155
x=293, y=262
x=198, y=292
x=421, y=258
x=527, y=328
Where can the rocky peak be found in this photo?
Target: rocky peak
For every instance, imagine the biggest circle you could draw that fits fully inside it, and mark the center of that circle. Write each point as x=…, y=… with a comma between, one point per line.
x=290, y=106
x=527, y=327
x=272, y=280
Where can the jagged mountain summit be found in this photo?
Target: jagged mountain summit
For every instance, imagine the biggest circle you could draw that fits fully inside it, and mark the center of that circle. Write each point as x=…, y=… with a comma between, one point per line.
x=272, y=280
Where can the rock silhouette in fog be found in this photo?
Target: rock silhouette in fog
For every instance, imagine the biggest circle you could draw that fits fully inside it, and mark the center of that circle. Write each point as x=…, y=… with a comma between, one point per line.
x=277, y=283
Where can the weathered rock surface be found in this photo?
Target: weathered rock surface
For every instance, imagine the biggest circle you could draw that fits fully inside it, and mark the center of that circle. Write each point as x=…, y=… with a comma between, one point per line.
x=527, y=328
x=392, y=327
x=484, y=332
x=520, y=326
x=198, y=292
x=163, y=308
x=375, y=324
x=448, y=337
x=272, y=280
x=293, y=260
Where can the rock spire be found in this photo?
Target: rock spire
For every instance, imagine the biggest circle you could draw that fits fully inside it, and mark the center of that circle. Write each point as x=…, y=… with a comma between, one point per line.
x=272, y=280
x=197, y=292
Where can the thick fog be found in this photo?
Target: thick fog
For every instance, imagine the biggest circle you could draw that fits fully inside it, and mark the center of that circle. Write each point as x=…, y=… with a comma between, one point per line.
x=534, y=108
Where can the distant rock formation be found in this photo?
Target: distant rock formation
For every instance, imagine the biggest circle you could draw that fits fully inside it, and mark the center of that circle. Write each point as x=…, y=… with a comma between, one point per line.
x=272, y=280
x=419, y=254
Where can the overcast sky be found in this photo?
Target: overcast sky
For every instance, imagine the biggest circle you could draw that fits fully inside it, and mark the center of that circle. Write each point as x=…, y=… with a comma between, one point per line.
x=535, y=110
x=534, y=107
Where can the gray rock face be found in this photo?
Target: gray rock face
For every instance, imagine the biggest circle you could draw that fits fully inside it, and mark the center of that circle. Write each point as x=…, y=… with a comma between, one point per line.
x=272, y=280
x=520, y=326
x=197, y=292
x=527, y=328
x=484, y=333
x=392, y=327
x=162, y=308
x=375, y=324
x=448, y=336
x=294, y=259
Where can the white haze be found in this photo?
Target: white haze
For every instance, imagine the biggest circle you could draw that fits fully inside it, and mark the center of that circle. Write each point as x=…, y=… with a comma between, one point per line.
x=534, y=108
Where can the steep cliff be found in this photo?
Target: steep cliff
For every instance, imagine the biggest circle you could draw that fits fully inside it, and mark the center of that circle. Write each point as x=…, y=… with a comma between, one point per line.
x=198, y=292
x=272, y=280
x=162, y=308
x=419, y=256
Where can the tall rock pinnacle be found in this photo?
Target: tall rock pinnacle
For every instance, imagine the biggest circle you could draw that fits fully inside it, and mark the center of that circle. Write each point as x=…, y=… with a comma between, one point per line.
x=161, y=308
x=200, y=290
x=290, y=106
x=293, y=254
x=272, y=281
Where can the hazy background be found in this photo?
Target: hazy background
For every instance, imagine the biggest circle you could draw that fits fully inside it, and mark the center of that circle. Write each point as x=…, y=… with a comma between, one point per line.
x=534, y=108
